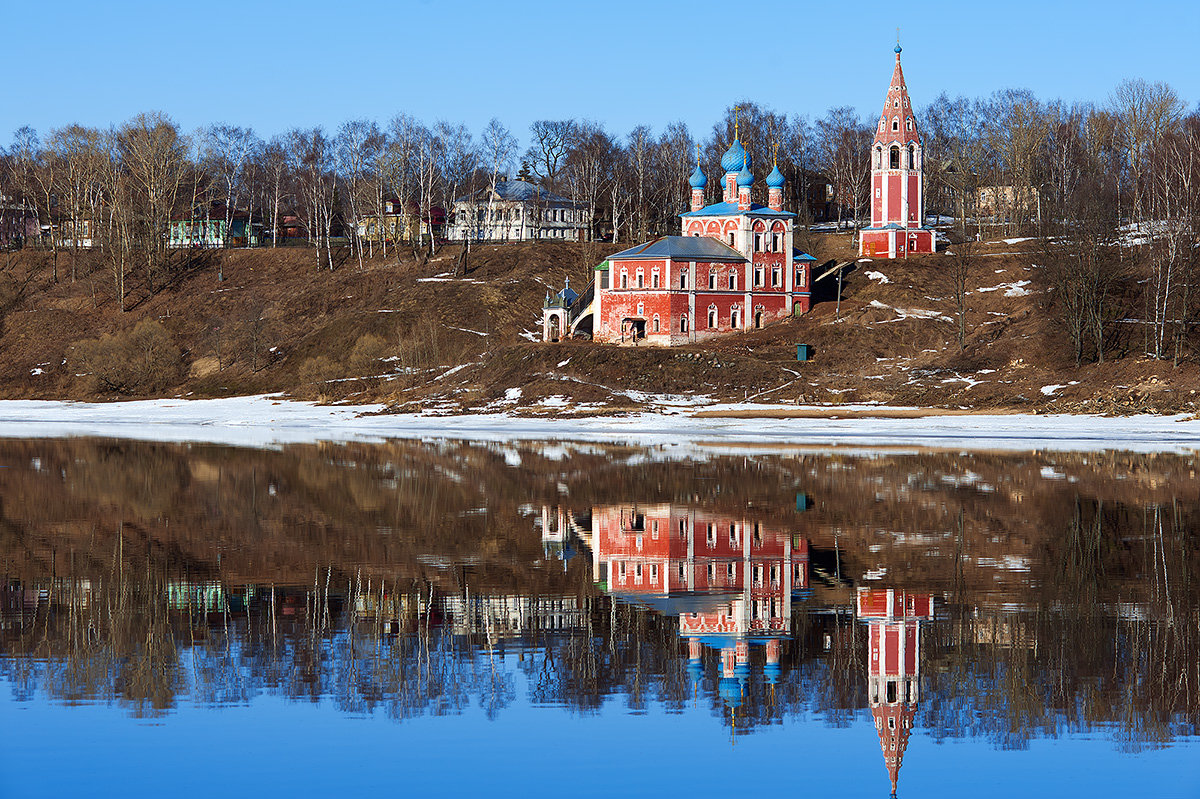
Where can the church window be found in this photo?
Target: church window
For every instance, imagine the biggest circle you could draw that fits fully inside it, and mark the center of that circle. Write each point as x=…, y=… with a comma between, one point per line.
x=683, y=276
x=896, y=123
x=908, y=123
x=730, y=239
x=894, y=158
x=735, y=318
x=895, y=103
x=712, y=325
x=911, y=158
x=800, y=277
x=654, y=279
x=758, y=276
x=637, y=572
x=712, y=279
x=776, y=277
x=758, y=242
x=653, y=572
x=683, y=328
x=732, y=280
x=775, y=242
x=624, y=279
x=879, y=154
x=641, y=279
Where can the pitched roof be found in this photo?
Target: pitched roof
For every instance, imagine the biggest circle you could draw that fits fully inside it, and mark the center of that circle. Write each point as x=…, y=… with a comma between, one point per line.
x=521, y=191
x=681, y=248
x=731, y=209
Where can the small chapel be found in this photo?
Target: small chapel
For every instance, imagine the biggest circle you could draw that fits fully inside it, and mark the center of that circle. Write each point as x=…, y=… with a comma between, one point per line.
x=897, y=227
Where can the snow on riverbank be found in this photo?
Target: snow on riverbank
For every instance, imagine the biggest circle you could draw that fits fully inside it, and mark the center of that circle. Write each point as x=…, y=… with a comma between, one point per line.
x=269, y=421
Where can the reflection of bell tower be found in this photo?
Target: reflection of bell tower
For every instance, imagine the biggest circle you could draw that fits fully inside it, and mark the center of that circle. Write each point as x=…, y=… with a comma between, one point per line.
x=894, y=666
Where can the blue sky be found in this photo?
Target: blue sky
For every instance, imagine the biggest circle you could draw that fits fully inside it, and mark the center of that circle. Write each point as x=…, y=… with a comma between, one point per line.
x=274, y=66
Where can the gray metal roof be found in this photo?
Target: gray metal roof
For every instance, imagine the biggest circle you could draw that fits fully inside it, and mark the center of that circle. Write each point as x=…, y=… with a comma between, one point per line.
x=681, y=248
x=519, y=191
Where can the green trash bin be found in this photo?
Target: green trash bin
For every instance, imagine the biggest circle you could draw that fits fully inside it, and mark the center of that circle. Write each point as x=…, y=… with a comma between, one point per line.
x=802, y=352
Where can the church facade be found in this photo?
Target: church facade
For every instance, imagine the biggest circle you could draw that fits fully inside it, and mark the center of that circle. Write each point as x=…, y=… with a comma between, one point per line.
x=897, y=180
x=734, y=267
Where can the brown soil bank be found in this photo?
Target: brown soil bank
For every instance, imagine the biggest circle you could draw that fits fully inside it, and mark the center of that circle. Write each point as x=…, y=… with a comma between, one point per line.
x=435, y=333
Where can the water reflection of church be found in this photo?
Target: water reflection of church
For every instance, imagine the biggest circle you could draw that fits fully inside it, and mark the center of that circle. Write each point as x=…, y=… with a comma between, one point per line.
x=730, y=582
x=893, y=621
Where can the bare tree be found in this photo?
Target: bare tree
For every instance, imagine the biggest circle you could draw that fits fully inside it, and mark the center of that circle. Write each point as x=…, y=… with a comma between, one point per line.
x=226, y=151
x=552, y=141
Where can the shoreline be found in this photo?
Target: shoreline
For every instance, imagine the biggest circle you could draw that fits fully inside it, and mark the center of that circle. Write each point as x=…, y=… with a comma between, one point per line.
x=267, y=421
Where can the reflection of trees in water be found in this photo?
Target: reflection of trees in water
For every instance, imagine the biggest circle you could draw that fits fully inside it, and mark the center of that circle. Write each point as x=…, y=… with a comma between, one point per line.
x=1110, y=636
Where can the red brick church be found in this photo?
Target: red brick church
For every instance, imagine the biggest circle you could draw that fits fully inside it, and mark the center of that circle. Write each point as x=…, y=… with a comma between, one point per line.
x=734, y=268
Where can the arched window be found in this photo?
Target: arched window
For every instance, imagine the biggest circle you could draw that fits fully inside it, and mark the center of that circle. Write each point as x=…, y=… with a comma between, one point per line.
x=735, y=315
x=908, y=123
x=879, y=154
x=624, y=279
x=683, y=277
x=683, y=328
x=730, y=239
x=641, y=279
x=712, y=317
x=894, y=158
x=912, y=158
x=654, y=279
x=655, y=323
x=732, y=280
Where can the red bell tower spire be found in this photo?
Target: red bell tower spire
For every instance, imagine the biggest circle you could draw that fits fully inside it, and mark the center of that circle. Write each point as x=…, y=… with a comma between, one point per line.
x=897, y=179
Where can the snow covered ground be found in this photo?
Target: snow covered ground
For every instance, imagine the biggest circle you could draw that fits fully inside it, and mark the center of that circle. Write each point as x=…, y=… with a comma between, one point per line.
x=268, y=421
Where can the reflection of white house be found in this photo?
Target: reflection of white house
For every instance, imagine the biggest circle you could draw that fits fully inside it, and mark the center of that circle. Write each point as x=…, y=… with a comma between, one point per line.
x=513, y=614
x=516, y=211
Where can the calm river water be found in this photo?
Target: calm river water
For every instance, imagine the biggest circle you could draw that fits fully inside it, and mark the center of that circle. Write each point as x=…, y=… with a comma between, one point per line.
x=445, y=618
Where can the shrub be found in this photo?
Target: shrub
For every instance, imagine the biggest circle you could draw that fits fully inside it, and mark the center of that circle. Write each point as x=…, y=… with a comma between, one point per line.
x=366, y=355
x=141, y=360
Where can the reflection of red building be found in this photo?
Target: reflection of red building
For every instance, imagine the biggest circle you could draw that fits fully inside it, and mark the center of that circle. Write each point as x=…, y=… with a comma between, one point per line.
x=730, y=581
x=894, y=666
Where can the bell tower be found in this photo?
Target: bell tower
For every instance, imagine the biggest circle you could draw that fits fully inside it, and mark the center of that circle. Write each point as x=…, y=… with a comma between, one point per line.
x=897, y=179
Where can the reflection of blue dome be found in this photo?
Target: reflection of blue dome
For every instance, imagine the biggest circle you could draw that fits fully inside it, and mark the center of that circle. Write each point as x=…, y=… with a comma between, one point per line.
x=772, y=671
x=731, y=691
x=775, y=180
x=745, y=178
x=735, y=157
x=698, y=180
x=695, y=670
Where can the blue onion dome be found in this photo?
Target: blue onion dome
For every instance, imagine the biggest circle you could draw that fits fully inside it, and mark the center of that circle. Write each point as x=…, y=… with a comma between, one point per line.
x=745, y=178
x=697, y=180
x=898, y=49
x=735, y=157
x=775, y=180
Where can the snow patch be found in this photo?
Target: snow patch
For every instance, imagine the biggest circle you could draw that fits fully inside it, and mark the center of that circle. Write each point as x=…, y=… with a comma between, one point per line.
x=880, y=276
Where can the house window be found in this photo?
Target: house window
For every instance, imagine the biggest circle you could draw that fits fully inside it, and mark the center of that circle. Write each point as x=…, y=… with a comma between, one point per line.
x=800, y=277
x=653, y=572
